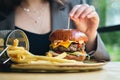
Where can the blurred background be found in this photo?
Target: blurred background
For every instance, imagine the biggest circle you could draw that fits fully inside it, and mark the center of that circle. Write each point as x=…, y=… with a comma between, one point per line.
x=109, y=28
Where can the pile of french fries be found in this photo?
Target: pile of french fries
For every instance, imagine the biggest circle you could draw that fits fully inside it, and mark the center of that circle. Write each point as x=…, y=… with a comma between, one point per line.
x=20, y=55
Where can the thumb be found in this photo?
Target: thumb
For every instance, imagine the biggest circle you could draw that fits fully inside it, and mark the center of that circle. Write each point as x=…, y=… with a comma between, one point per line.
x=75, y=20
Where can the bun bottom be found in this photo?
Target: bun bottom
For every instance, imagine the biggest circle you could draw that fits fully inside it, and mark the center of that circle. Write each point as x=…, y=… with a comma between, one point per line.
x=72, y=57
x=77, y=58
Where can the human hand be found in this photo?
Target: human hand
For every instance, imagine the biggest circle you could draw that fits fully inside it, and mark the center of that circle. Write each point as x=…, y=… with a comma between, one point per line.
x=85, y=18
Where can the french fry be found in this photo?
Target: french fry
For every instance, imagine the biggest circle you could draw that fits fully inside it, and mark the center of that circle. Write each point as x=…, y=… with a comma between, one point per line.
x=53, y=59
x=61, y=56
x=15, y=48
x=20, y=55
x=49, y=54
x=28, y=58
x=15, y=43
x=24, y=57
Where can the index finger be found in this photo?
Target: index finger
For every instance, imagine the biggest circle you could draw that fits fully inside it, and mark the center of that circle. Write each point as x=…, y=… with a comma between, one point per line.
x=72, y=12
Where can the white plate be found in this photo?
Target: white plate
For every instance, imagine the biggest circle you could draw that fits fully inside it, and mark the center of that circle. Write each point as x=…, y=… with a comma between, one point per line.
x=60, y=67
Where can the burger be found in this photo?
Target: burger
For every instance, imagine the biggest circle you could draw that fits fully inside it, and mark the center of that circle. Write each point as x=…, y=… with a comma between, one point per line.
x=70, y=41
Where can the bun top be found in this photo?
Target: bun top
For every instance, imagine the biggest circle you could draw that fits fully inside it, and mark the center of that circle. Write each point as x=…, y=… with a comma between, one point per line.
x=68, y=34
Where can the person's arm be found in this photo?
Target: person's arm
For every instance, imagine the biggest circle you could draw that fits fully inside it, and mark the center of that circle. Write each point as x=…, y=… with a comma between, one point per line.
x=86, y=20
x=100, y=53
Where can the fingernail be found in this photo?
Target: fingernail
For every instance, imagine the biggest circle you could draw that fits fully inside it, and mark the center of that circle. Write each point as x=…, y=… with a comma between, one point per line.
x=71, y=15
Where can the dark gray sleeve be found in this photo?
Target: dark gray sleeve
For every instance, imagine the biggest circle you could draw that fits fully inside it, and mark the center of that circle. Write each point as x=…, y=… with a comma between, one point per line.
x=100, y=54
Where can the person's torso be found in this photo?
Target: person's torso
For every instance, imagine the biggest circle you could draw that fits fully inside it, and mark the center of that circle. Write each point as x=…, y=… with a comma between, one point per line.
x=59, y=18
x=38, y=43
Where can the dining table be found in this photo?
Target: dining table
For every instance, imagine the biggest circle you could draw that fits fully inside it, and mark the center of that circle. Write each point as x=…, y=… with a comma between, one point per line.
x=110, y=71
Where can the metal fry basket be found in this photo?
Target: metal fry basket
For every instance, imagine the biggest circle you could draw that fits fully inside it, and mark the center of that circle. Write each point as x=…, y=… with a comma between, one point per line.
x=7, y=37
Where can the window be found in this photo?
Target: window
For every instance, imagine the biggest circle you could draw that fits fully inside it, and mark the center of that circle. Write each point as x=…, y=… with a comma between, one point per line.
x=109, y=12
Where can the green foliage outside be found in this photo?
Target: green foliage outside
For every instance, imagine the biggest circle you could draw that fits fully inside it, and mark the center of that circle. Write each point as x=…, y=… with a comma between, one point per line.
x=100, y=5
x=112, y=43
x=111, y=39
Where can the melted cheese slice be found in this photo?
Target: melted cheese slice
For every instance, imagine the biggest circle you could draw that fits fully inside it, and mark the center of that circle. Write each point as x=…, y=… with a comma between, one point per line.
x=65, y=44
